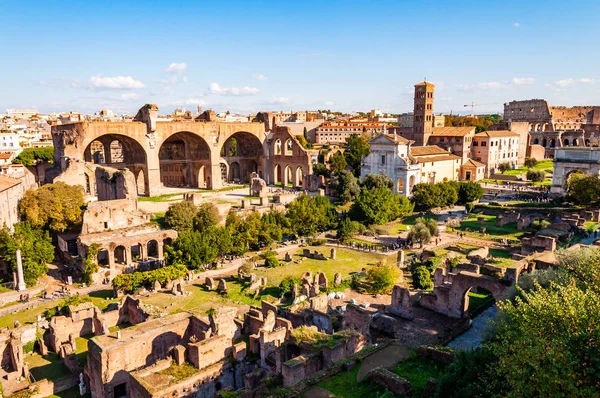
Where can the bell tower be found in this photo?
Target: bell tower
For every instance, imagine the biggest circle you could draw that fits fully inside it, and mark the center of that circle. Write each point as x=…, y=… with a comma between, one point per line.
x=423, y=113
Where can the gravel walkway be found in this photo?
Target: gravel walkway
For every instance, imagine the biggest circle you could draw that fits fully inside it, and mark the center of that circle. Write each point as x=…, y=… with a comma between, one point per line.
x=472, y=338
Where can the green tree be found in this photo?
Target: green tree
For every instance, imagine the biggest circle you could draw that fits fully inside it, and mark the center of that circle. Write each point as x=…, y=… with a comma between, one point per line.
x=470, y=191
x=382, y=277
x=337, y=162
x=36, y=250
x=426, y=196
x=305, y=134
x=309, y=215
x=419, y=232
x=536, y=175
x=379, y=206
x=345, y=185
x=207, y=216
x=582, y=266
x=430, y=224
x=348, y=228
x=357, y=148
x=180, y=215
x=287, y=285
x=503, y=167
x=422, y=278
x=530, y=162
x=320, y=169
x=377, y=180
x=56, y=206
x=547, y=343
x=198, y=248
x=30, y=156
x=271, y=260
x=584, y=190
x=448, y=194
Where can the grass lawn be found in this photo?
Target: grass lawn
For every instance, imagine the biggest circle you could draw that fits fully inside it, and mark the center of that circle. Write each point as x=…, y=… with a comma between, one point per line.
x=502, y=258
x=479, y=302
x=508, y=231
x=72, y=392
x=50, y=367
x=347, y=261
x=542, y=165
x=343, y=385
x=201, y=300
x=416, y=370
x=591, y=226
x=99, y=299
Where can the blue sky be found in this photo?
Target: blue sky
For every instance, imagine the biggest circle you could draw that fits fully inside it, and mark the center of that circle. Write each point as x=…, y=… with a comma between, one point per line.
x=247, y=56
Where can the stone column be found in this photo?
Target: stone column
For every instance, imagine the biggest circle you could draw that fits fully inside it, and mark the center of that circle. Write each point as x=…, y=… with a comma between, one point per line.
x=144, y=251
x=111, y=259
x=20, y=279
x=128, y=259
x=215, y=166
x=160, y=247
x=153, y=170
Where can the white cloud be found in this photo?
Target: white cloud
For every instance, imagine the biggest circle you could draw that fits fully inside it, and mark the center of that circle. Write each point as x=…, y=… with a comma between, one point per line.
x=279, y=101
x=480, y=86
x=259, y=76
x=329, y=103
x=215, y=88
x=117, y=82
x=176, y=67
x=129, y=96
x=522, y=81
x=566, y=83
x=517, y=25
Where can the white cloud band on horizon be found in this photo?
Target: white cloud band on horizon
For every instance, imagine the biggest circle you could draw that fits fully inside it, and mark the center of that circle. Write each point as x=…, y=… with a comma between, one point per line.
x=116, y=83
x=215, y=88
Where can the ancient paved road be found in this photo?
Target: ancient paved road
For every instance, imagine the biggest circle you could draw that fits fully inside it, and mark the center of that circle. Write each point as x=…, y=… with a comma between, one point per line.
x=473, y=337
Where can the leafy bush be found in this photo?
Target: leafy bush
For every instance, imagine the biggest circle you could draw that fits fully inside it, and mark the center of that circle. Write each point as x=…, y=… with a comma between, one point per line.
x=129, y=283
x=180, y=215
x=347, y=228
x=382, y=278
x=469, y=206
x=287, y=285
x=91, y=263
x=30, y=156
x=422, y=278
x=62, y=307
x=271, y=260
x=536, y=175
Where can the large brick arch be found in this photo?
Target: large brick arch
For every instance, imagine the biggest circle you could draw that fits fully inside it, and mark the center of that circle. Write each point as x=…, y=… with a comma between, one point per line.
x=449, y=298
x=184, y=159
x=247, y=156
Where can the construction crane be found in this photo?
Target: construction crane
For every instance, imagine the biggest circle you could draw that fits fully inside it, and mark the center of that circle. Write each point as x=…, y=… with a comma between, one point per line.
x=473, y=105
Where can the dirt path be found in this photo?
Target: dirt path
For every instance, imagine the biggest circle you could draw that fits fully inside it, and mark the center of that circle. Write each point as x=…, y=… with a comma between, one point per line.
x=389, y=357
x=317, y=392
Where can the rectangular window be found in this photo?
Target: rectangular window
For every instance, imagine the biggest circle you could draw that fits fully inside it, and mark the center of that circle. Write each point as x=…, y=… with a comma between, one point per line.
x=382, y=159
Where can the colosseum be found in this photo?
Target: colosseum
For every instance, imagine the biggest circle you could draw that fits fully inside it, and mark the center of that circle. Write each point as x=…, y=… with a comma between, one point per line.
x=197, y=153
x=556, y=126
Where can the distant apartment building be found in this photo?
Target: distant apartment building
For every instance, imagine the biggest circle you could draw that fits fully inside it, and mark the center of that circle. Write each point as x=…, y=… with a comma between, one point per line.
x=494, y=148
x=70, y=117
x=6, y=158
x=405, y=120
x=21, y=113
x=456, y=140
x=335, y=133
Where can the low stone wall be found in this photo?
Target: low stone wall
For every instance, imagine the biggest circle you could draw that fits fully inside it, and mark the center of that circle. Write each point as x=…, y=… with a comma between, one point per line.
x=436, y=354
x=45, y=388
x=396, y=384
